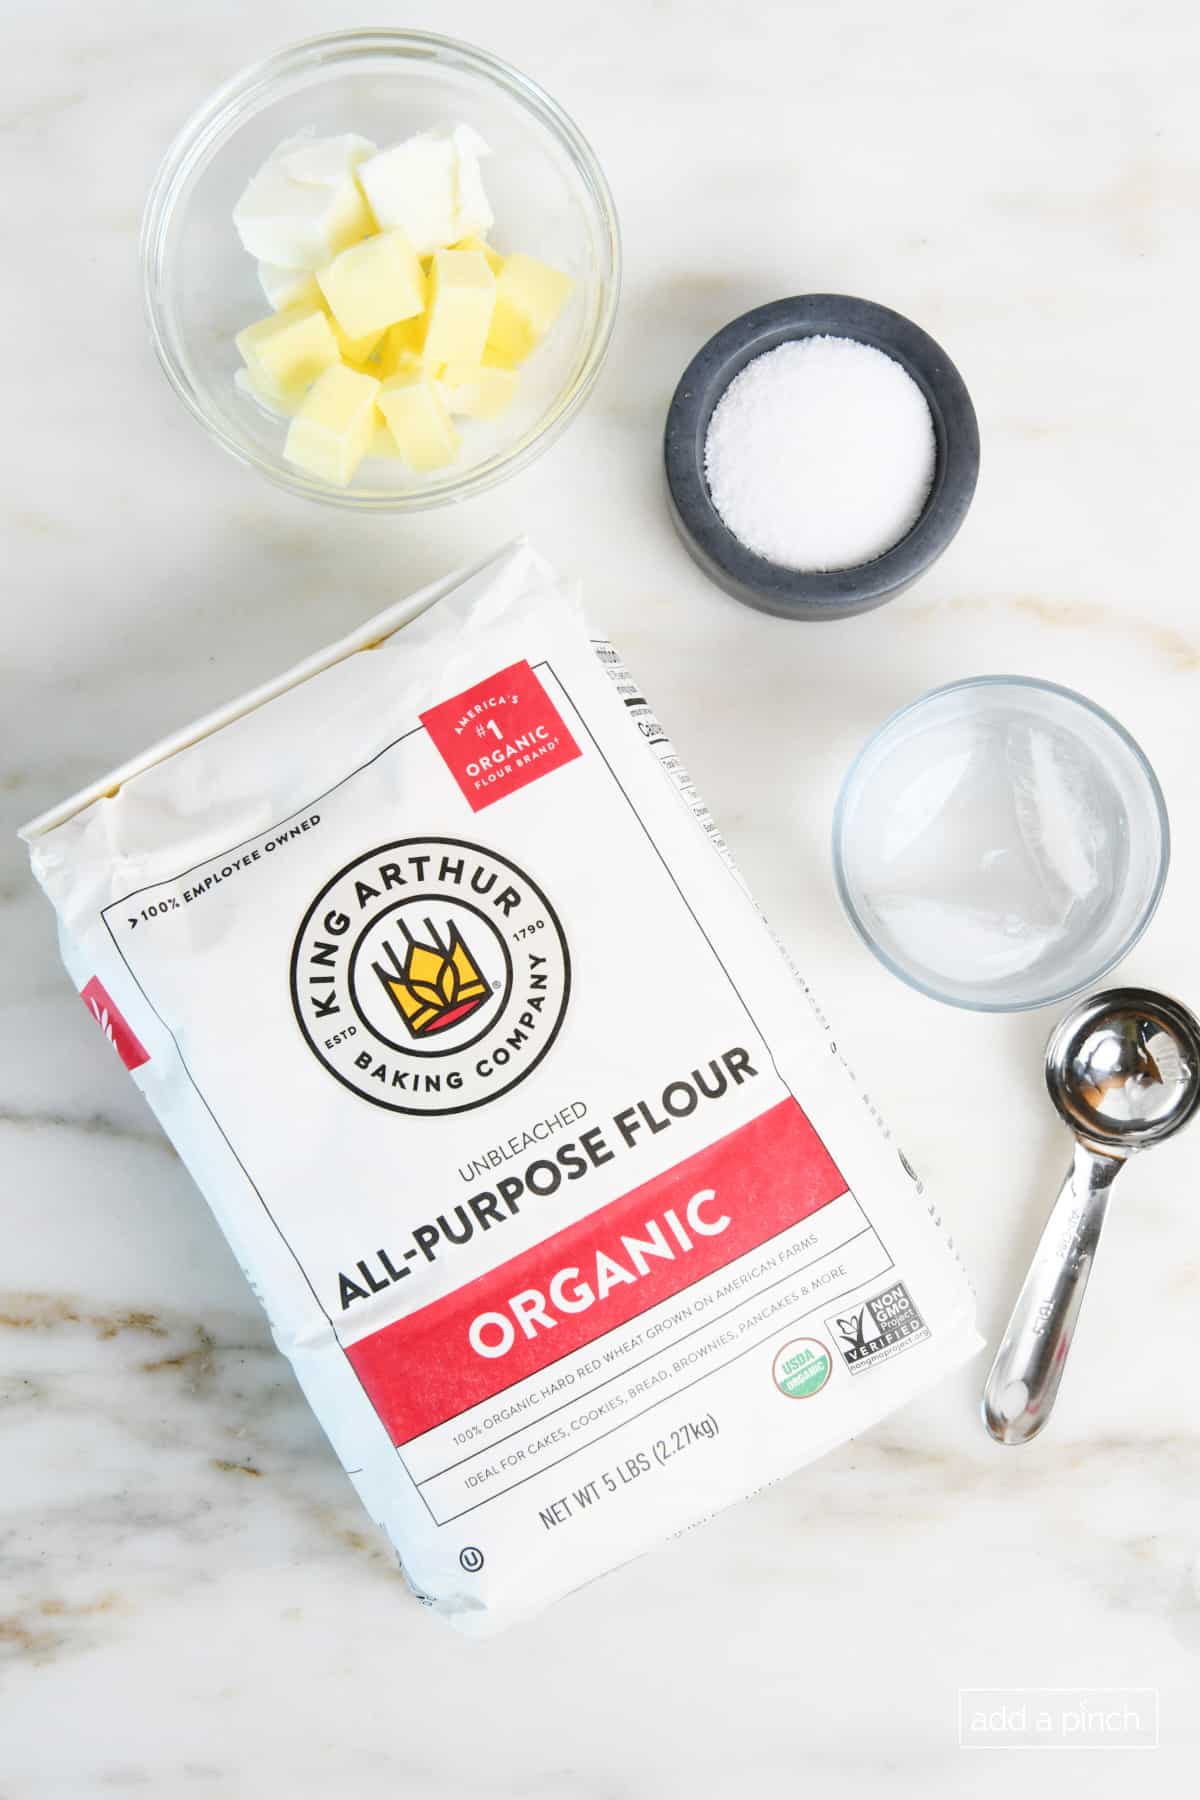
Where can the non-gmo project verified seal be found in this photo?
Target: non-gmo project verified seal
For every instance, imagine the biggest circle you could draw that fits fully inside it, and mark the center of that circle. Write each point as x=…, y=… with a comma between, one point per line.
x=878, y=1329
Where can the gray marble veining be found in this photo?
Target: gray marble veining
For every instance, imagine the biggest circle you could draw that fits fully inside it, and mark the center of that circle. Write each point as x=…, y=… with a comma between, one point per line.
x=191, y=1599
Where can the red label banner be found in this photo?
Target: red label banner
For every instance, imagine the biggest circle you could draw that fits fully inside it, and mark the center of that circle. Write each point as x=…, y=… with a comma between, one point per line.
x=500, y=735
x=597, y=1274
x=113, y=1024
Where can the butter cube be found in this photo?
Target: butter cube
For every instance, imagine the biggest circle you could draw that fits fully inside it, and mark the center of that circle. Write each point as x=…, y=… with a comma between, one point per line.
x=286, y=352
x=431, y=187
x=401, y=351
x=358, y=352
x=382, y=442
x=305, y=206
x=477, y=392
x=495, y=261
x=330, y=434
x=288, y=287
x=529, y=297
x=374, y=284
x=419, y=421
x=462, y=297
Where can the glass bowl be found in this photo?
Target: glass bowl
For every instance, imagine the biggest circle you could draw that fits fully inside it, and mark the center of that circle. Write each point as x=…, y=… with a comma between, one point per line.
x=546, y=187
x=1001, y=843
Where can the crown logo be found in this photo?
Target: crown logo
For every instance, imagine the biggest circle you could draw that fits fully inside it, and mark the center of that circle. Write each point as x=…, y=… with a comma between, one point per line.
x=435, y=984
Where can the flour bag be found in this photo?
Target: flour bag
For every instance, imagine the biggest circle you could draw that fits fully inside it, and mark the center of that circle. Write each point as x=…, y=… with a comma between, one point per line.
x=553, y=1184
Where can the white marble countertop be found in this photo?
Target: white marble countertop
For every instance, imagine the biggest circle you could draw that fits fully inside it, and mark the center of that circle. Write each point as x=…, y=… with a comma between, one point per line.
x=191, y=1601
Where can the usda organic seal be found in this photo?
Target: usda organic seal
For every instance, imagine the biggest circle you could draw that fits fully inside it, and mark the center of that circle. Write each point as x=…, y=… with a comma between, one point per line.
x=801, y=1368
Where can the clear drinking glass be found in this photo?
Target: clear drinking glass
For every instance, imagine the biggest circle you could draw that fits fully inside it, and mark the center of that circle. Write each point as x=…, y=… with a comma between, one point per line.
x=546, y=187
x=1001, y=843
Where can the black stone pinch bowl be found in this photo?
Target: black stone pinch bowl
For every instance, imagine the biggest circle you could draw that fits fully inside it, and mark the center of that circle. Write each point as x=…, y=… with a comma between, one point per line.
x=837, y=593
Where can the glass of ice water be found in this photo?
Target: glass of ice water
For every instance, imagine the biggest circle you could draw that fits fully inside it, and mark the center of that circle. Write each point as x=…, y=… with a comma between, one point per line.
x=1001, y=843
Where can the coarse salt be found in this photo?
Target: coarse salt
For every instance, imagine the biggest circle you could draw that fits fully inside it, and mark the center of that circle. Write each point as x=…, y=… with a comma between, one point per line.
x=820, y=454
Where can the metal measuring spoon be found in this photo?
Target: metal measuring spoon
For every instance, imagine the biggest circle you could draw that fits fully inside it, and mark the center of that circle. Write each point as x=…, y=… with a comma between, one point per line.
x=1123, y=1069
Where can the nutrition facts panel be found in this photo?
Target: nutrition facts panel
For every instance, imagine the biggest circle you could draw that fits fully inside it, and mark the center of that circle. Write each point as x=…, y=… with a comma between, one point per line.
x=643, y=716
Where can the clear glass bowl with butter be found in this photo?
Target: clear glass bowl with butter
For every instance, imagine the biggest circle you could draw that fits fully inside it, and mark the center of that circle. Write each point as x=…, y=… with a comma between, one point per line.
x=547, y=190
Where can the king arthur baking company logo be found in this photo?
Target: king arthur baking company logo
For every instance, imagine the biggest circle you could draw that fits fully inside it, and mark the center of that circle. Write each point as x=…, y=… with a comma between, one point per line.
x=436, y=984
x=430, y=975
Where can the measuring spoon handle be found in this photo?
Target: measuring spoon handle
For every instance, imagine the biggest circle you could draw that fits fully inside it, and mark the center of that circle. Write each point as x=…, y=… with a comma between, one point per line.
x=1023, y=1381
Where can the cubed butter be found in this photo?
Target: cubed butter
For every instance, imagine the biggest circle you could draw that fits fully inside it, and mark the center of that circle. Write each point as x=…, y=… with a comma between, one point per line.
x=357, y=351
x=419, y=421
x=474, y=392
x=286, y=352
x=462, y=296
x=288, y=287
x=382, y=442
x=332, y=431
x=495, y=261
x=374, y=284
x=401, y=351
x=305, y=206
x=529, y=297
